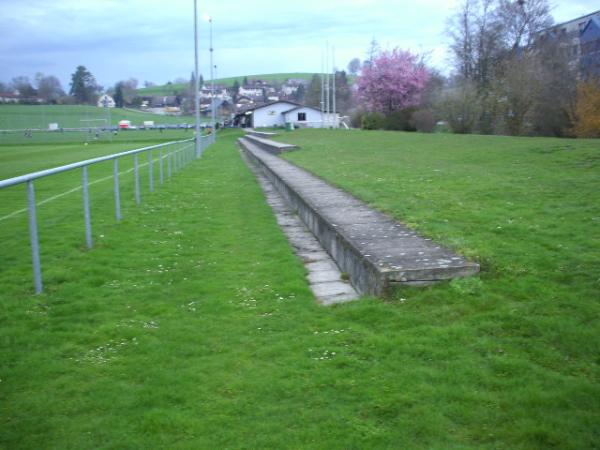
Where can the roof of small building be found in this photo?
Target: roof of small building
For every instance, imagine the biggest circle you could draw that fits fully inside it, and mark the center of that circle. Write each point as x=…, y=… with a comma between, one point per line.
x=301, y=107
x=265, y=105
x=558, y=25
x=591, y=30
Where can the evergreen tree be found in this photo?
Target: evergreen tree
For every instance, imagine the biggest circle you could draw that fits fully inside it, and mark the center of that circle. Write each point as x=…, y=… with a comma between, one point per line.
x=313, y=94
x=83, y=85
x=235, y=90
x=300, y=94
x=343, y=92
x=119, y=95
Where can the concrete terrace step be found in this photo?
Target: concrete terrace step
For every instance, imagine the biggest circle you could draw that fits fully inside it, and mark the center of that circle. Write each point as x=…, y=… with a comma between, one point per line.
x=262, y=134
x=377, y=252
x=270, y=146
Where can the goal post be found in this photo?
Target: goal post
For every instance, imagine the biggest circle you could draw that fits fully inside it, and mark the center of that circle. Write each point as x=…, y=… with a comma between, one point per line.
x=95, y=130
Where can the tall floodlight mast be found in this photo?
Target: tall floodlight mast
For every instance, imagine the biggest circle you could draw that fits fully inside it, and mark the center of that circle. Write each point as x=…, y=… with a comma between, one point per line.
x=327, y=99
x=334, y=73
x=213, y=114
x=322, y=88
x=197, y=85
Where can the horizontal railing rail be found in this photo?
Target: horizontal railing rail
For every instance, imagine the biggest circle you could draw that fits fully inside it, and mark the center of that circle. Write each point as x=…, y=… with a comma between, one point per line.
x=177, y=154
x=88, y=162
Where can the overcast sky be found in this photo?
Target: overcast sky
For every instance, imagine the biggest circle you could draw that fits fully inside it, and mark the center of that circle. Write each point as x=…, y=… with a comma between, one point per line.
x=153, y=39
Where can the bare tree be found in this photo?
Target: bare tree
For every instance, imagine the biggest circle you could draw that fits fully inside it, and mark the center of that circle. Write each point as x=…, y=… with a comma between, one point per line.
x=476, y=40
x=49, y=87
x=373, y=50
x=460, y=107
x=521, y=20
x=128, y=89
x=516, y=92
x=354, y=66
x=460, y=30
x=24, y=86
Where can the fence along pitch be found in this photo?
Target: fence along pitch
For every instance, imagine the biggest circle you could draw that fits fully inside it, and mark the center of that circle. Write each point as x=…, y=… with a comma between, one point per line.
x=174, y=150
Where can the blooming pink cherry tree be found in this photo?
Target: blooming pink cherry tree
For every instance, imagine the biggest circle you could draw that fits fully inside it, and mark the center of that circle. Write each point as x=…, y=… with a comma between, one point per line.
x=392, y=81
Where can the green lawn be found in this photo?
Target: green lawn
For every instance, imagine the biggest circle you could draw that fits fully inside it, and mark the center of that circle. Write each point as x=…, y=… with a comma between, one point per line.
x=190, y=325
x=74, y=116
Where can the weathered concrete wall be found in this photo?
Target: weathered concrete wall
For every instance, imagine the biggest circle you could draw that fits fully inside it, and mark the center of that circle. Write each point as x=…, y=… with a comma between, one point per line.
x=261, y=134
x=270, y=146
x=377, y=253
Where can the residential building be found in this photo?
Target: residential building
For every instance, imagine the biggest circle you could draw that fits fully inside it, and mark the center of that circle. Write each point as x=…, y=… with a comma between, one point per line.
x=590, y=48
x=106, y=101
x=253, y=92
x=572, y=35
x=278, y=114
x=9, y=97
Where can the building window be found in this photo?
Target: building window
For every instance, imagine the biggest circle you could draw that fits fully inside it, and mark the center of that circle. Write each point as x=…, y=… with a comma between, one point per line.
x=301, y=117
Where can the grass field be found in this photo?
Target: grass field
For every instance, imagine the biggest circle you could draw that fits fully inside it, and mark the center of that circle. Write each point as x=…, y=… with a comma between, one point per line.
x=173, y=89
x=190, y=325
x=74, y=116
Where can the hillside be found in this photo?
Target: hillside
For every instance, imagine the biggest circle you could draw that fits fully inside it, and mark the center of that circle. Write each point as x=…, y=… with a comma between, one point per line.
x=174, y=89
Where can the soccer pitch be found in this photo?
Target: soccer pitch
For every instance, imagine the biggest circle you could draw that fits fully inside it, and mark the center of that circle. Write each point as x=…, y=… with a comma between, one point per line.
x=21, y=117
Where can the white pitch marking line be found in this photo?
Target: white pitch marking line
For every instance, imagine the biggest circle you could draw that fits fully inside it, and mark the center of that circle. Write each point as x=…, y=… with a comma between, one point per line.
x=78, y=188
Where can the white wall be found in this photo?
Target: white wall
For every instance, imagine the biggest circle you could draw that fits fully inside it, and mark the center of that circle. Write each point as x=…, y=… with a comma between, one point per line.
x=314, y=119
x=272, y=115
x=250, y=92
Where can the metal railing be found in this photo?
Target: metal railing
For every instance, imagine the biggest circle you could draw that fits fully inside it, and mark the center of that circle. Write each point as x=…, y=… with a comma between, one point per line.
x=177, y=154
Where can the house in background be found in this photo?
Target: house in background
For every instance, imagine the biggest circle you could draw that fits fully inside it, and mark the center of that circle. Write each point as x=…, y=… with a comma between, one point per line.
x=9, y=97
x=252, y=92
x=590, y=49
x=106, y=101
x=280, y=113
x=164, y=101
x=571, y=37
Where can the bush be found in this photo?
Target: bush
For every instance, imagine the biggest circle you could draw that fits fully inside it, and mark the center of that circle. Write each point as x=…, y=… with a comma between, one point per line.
x=356, y=118
x=400, y=120
x=373, y=121
x=587, y=110
x=424, y=120
x=461, y=108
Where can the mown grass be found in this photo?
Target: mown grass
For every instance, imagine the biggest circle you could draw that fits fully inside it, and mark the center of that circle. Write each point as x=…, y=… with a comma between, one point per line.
x=190, y=325
x=75, y=116
x=528, y=209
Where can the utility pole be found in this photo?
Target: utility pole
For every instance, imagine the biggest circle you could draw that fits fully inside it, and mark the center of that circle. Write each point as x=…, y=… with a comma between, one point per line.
x=196, y=85
x=334, y=73
x=322, y=88
x=327, y=99
x=213, y=114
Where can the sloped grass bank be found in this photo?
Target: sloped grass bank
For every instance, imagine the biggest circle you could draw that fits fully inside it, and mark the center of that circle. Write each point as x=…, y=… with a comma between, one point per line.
x=191, y=326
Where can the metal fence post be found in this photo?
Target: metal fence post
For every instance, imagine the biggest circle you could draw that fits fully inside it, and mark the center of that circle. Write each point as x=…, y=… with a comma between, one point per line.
x=33, y=235
x=160, y=165
x=117, y=189
x=86, y=208
x=169, y=158
x=136, y=176
x=150, y=171
x=178, y=154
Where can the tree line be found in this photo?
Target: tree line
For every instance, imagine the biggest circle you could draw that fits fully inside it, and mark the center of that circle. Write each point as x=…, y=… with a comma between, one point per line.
x=507, y=78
